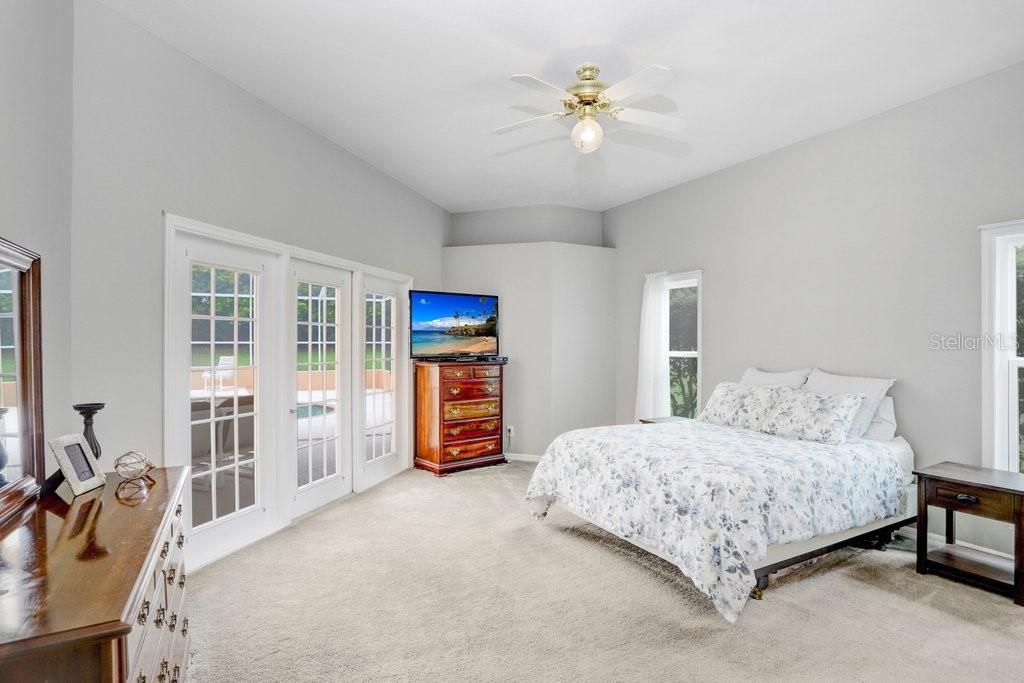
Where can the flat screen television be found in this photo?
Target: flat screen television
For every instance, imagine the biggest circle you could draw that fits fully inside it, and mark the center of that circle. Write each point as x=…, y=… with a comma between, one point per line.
x=452, y=325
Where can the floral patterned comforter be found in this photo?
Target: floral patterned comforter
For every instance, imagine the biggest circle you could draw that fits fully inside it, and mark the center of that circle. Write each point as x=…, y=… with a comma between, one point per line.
x=713, y=498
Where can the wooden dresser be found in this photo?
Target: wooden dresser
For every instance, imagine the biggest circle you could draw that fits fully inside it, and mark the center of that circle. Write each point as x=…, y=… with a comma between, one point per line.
x=458, y=415
x=95, y=590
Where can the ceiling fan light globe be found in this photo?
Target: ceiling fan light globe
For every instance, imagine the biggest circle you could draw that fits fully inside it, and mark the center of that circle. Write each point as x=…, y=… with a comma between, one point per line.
x=587, y=135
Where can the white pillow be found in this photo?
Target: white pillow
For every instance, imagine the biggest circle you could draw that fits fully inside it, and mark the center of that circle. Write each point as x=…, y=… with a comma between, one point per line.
x=883, y=426
x=874, y=389
x=805, y=415
x=735, y=405
x=793, y=378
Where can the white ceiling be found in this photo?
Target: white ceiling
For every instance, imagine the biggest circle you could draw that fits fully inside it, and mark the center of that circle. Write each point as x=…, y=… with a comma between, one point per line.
x=413, y=87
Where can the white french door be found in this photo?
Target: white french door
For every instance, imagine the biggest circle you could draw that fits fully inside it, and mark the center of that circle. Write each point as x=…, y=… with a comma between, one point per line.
x=320, y=416
x=223, y=317
x=285, y=380
x=380, y=446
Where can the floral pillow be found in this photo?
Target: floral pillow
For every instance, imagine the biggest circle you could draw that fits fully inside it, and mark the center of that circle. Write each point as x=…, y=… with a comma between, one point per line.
x=739, y=405
x=805, y=415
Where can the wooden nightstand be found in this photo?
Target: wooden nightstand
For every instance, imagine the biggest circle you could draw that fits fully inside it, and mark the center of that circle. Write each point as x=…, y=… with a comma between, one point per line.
x=974, y=491
x=658, y=420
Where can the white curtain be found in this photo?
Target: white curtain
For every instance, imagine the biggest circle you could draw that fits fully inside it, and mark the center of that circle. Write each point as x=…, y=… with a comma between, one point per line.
x=652, y=387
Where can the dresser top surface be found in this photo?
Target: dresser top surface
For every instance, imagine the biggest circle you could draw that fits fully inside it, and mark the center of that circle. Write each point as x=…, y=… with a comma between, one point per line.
x=69, y=571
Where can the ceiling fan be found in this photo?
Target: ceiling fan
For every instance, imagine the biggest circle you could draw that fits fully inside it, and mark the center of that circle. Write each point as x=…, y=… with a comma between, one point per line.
x=589, y=98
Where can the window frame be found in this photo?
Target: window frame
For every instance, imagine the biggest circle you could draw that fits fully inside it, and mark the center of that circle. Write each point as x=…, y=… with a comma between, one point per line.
x=1000, y=431
x=693, y=278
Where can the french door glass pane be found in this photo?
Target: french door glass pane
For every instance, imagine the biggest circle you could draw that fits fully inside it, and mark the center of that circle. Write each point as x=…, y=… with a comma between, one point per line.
x=223, y=392
x=682, y=373
x=316, y=382
x=378, y=358
x=9, y=430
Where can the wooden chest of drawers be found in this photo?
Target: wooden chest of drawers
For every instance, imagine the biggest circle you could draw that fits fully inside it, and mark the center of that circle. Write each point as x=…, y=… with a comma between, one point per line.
x=97, y=588
x=458, y=416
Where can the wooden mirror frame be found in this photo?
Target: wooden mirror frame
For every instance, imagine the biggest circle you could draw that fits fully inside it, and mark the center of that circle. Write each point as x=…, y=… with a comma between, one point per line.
x=17, y=494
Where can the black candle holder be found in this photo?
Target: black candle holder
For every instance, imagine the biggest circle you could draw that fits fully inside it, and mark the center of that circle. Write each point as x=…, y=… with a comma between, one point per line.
x=88, y=412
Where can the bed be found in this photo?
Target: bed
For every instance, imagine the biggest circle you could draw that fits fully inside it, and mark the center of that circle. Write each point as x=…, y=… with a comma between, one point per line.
x=726, y=505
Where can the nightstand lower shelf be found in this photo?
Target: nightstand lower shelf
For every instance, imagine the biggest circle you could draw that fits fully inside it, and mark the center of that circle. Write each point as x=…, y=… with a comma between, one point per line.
x=976, y=567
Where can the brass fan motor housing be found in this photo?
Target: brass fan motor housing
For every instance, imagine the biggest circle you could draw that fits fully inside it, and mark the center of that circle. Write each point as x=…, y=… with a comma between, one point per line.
x=587, y=90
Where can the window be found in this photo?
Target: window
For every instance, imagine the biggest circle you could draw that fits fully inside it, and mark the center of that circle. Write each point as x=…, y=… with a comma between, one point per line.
x=684, y=343
x=1002, y=345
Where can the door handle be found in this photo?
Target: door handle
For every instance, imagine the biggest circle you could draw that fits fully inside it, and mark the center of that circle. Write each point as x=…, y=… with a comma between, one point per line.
x=294, y=411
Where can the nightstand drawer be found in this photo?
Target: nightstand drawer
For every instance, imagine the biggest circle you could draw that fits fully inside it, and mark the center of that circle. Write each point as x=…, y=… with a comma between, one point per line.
x=971, y=499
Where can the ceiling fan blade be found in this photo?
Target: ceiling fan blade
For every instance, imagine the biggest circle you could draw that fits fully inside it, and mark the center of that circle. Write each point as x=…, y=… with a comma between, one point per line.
x=526, y=122
x=643, y=80
x=537, y=84
x=647, y=118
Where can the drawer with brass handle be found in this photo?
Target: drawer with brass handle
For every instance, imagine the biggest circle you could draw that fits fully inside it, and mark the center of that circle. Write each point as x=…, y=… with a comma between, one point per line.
x=471, y=449
x=486, y=372
x=464, y=410
x=473, y=388
x=471, y=429
x=456, y=373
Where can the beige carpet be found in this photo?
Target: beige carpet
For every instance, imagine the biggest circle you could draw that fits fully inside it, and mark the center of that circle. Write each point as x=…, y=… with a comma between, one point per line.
x=451, y=579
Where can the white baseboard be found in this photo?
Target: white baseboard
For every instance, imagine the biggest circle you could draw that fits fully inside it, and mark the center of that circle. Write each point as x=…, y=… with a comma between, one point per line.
x=522, y=457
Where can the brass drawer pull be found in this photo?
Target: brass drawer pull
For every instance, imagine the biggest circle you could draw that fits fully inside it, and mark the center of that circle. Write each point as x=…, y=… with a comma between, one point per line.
x=159, y=621
x=454, y=432
x=454, y=451
x=177, y=510
x=454, y=391
x=454, y=411
x=144, y=613
x=181, y=581
x=488, y=388
x=181, y=540
x=164, y=550
x=170, y=576
x=488, y=425
x=184, y=627
x=172, y=623
x=490, y=445
x=459, y=373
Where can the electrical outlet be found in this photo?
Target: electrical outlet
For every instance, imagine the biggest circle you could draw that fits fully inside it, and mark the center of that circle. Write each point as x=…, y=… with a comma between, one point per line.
x=510, y=431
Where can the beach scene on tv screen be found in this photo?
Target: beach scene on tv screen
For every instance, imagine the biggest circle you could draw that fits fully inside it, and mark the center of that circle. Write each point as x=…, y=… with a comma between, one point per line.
x=454, y=324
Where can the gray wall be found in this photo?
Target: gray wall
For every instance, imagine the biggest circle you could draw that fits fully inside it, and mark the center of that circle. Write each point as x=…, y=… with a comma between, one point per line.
x=556, y=329
x=155, y=130
x=526, y=224
x=845, y=252
x=35, y=171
